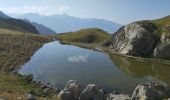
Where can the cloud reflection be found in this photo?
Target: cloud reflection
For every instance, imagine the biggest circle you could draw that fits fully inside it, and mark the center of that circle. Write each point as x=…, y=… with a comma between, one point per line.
x=79, y=58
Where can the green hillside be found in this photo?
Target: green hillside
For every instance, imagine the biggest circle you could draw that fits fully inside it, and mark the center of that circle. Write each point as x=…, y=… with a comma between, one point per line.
x=17, y=25
x=91, y=35
x=163, y=25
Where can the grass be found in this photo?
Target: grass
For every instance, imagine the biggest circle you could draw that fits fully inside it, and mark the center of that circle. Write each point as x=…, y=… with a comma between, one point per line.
x=163, y=25
x=87, y=38
x=16, y=48
x=92, y=35
x=13, y=86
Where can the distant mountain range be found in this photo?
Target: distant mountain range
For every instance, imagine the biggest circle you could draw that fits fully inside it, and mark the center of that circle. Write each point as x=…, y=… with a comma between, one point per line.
x=2, y=15
x=9, y=23
x=66, y=23
x=39, y=27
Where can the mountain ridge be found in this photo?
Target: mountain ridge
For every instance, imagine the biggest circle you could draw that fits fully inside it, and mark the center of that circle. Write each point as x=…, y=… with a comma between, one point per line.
x=65, y=23
x=39, y=27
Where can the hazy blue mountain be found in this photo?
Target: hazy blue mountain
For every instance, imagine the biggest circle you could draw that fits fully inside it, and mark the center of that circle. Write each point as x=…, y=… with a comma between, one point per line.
x=2, y=15
x=41, y=28
x=65, y=23
x=10, y=23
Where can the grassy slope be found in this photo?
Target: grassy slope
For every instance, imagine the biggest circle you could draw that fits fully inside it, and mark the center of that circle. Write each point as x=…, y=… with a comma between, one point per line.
x=85, y=37
x=16, y=48
x=17, y=25
x=15, y=86
x=163, y=25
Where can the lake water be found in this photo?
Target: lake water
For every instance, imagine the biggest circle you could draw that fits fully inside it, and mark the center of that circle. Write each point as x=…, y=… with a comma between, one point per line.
x=56, y=63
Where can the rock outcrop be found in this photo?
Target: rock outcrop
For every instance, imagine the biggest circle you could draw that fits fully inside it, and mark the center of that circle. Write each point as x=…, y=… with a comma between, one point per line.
x=70, y=92
x=163, y=48
x=151, y=91
x=135, y=39
x=141, y=39
x=92, y=92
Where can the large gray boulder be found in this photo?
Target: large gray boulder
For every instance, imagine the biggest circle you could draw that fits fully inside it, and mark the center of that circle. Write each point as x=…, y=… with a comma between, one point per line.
x=163, y=49
x=70, y=92
x=151, y=91
x=136, y=39
x=92, y=92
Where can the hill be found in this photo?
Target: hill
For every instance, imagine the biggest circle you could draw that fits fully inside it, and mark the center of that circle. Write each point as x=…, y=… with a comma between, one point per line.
x=10, y=23
x=147, y=38
x=163, y=25
x=41, y=28
x=17, y=25
x=65, y=23
x=91, y=35
x=2, y=15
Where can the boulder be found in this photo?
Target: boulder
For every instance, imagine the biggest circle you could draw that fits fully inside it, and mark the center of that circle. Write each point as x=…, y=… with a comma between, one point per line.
x=92, y=92
x=151, y=91
x=162, y=50
x=31, y=97
x=70, y=92
x=136, y=39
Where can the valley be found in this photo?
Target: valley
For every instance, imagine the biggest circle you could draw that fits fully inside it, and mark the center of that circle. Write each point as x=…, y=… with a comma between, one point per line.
x=61, y=56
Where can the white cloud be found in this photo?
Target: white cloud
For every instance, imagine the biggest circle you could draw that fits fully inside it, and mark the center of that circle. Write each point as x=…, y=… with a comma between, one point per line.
x=44, y=10
x=62, y=8
x=24, y=9
x=79, y=58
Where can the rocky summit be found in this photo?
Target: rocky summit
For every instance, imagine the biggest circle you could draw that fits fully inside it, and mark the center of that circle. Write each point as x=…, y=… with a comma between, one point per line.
x=142, y=39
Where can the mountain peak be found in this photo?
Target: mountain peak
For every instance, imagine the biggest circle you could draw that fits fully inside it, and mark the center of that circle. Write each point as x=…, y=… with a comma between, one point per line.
x=64, y=14
x=2, y=15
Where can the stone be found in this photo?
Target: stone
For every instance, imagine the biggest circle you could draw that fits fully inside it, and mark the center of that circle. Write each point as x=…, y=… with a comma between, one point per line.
x=162, y=49
x=92, y=92
x=150, y=91
x=71, y=91
x=134, y=40
x=31, y=97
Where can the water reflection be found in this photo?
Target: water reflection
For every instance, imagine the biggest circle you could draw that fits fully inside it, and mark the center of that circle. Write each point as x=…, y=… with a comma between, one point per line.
x=57, y=63
x=78, y=58
x=140, y=68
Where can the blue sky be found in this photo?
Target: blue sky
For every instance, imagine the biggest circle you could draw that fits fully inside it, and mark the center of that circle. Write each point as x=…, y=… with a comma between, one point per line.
x=120, y=11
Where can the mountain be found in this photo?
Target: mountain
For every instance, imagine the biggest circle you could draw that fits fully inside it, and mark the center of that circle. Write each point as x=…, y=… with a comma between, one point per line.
x=17, y=25
x=41, y=28
x=65, y=23
x=148, y=38
x=2, y=15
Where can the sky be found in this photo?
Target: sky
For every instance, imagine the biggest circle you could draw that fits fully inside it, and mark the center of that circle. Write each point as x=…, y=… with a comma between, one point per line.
x=120, y=11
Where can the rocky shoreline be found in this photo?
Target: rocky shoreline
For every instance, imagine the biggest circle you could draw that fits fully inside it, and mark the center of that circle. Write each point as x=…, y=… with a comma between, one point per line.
x=153, y=90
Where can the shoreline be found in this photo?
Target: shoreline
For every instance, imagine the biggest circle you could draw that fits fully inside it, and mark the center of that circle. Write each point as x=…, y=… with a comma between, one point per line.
x=95, y=47
x=99, y=48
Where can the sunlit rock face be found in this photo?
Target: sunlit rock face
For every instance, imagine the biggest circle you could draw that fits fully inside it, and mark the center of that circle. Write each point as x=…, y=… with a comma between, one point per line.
x=141, y=39
x=136, y=39
x=162, y=49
